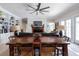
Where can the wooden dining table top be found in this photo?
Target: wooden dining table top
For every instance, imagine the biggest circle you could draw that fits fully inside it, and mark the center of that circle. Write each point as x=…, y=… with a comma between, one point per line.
x=44, y=39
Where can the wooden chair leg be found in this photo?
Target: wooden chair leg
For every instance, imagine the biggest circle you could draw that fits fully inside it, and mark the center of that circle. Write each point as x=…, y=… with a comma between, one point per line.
x=57, y=52
x=15, y=51
x=18, y=51
x=54, y=51
x=33, y=50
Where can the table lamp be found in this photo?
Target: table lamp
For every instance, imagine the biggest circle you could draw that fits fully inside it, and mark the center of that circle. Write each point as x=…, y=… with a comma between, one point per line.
x=60, y=28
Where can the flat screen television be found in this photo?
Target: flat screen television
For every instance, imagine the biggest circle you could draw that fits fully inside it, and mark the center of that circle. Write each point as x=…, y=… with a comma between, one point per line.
x=37, y=23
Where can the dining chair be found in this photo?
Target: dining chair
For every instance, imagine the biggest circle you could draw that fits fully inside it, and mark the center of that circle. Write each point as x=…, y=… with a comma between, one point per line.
x=59, y=49
x=36, y=48
x=16, y=48
x=11, y=38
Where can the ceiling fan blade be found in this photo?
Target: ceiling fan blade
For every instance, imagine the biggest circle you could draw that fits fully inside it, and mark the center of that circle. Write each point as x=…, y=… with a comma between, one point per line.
x=38, y=6
x=44, y=8
x=44, y=11
x=41, y=12
x=31, y=7
x=28, y=9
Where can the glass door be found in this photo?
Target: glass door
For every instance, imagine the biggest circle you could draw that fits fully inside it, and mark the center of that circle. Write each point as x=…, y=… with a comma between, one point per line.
x=77, y=29
x=68, y=28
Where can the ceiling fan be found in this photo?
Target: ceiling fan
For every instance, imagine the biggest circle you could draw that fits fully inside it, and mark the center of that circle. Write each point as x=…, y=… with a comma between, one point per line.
x=38, y=9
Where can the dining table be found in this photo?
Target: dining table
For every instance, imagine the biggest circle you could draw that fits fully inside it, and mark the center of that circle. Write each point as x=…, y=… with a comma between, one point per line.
x=46, y=41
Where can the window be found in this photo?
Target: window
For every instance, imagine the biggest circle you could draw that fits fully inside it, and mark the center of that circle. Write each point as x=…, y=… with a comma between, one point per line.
x=77, y=28
x=62, y=23
x=50, y=27
x=68, y=28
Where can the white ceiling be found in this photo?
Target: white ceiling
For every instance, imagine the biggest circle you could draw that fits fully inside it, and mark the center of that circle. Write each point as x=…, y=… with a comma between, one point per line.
x=56, y=10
